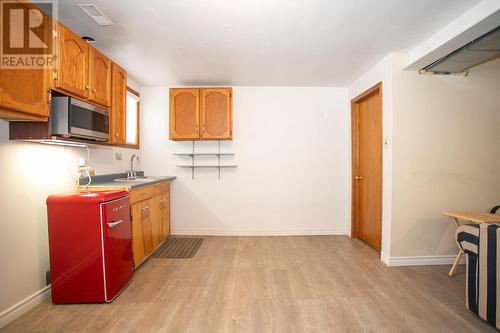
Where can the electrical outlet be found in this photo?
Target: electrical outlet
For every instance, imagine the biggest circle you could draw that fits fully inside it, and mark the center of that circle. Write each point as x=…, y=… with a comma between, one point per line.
x=118, y=156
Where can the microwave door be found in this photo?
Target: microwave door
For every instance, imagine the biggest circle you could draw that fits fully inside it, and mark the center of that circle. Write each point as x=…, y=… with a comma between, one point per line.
x=88, y=122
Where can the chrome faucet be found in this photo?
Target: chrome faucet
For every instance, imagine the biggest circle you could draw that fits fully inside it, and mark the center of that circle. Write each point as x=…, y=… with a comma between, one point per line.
x=132, y=173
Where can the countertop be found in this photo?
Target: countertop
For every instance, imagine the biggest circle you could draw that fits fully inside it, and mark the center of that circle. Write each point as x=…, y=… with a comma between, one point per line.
x=108, y=181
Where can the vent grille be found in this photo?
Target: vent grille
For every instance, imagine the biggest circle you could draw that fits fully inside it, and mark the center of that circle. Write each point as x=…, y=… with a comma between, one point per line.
x=96, y=14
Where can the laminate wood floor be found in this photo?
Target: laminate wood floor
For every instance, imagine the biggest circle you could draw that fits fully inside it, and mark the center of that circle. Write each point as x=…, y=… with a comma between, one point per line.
x=272, y=284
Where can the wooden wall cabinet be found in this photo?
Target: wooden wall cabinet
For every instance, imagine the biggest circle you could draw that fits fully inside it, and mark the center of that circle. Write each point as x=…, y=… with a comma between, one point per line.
x=81, y=70
x=72, y=63
x=99, y=78
x=201, y=114
x=24, y=94
x=150, y=211
x=216, y=113
x=118, y=105
x=184, y=114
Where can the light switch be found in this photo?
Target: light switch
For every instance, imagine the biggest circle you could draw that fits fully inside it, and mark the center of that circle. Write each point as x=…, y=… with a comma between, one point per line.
x=386, y=142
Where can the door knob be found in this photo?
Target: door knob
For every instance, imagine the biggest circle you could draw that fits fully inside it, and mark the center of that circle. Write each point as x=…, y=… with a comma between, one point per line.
x=359, y=178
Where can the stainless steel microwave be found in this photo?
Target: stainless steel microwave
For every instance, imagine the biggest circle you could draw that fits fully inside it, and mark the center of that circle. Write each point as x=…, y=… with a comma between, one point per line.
x=72, y=118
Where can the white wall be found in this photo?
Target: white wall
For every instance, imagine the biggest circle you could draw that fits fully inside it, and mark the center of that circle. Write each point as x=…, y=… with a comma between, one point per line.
x=445, y=155
x=29, y=172
x=292, y=152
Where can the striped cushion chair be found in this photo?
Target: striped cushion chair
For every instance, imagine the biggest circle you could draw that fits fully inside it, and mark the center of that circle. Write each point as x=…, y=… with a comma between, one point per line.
x=480, y=244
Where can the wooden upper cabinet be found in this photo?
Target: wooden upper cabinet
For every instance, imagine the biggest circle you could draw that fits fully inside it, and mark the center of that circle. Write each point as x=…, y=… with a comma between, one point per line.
x=24, y=94
x=216, y=114
x=72, y=63
x=184, y=114
x=118, y=105
x=99, y=77
x=201, y=114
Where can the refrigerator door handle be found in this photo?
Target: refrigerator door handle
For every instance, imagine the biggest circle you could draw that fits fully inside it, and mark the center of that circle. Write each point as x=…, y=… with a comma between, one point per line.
x=114, y=223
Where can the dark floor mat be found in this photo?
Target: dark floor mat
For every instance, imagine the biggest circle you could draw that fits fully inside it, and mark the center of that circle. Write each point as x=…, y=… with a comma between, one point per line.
x=178, y=247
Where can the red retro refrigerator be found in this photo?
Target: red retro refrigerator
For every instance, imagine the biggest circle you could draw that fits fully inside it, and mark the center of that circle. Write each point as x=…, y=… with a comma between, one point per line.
x=90, y=246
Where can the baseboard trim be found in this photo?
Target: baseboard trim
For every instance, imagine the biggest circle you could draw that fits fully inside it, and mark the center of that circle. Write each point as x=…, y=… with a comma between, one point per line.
x=24, y=306
x=257, y=232
x=419, y=260
x=385, y=258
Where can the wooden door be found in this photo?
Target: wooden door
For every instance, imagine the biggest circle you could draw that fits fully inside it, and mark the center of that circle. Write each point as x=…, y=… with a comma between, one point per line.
x=155, y=216
x=147, y=233
x=72, y=63
x=367, y=167
x=99, y=77
x=118, y=105
x=184, y=114
x=137, y=233
x=24, y=93
x=165, y=215
x=216, y=113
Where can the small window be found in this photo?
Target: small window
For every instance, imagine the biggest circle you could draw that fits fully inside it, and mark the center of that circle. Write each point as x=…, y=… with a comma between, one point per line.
x=132, y=117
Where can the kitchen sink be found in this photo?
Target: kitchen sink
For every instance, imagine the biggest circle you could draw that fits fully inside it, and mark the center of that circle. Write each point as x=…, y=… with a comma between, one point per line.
x=133, y=179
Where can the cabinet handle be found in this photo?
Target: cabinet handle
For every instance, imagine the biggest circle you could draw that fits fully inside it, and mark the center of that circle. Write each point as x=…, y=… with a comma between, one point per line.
x=93, y=90
x=87, y=87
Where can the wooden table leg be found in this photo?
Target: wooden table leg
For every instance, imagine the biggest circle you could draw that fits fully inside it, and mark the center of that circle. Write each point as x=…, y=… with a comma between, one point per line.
x=455, y=264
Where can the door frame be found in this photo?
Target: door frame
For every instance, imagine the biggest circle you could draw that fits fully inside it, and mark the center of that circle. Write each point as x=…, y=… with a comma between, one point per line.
x=376, y=89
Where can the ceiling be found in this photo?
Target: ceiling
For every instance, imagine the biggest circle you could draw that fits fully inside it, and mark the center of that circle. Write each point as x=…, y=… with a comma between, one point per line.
x=258, y=42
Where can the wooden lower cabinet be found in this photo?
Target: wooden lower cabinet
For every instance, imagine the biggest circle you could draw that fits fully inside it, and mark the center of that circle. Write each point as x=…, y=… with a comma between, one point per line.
x=156, y=230
x=137, y=233
x=150, y=214
x=165, y=215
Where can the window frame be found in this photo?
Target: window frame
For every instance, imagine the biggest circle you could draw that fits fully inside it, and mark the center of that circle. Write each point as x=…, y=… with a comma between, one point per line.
x=130, y=145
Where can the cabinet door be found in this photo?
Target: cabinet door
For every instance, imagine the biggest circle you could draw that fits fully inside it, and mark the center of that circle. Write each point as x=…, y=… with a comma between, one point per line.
x=24, y=92
x=147, y=235
x=184, y=114
x=216, y=114
x=155, y=216
x=118, y=105
x=137, y=233
x=72, y=63
x=165, y=215
x=99, y=77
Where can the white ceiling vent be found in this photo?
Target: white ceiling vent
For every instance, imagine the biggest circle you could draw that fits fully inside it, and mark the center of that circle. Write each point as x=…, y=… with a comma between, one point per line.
x=96, y=14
